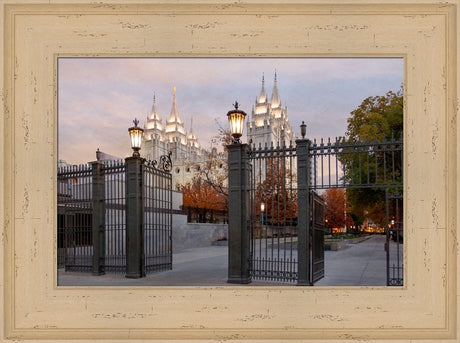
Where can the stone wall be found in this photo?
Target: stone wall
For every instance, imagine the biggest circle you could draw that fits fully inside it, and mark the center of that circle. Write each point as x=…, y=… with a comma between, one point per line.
x=195, y=235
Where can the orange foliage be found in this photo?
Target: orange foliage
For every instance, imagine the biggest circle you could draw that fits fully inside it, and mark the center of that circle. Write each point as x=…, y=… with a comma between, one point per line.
x=335, y=202
x=202, y=195
x=277, y=192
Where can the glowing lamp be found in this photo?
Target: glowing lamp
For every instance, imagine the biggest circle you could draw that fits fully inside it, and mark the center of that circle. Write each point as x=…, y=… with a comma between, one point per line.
x=135, y=133
x=236, y=120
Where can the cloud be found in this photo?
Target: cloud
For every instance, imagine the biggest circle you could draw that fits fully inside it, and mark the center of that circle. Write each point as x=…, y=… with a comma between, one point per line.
x=99, y=97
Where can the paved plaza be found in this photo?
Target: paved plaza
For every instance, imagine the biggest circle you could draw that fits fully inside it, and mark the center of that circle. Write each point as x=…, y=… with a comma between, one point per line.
x=362, y=264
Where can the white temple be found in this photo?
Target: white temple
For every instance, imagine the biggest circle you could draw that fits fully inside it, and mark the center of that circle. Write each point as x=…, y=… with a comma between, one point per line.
x=269, y=122
x=173, y=137
x=159, y=139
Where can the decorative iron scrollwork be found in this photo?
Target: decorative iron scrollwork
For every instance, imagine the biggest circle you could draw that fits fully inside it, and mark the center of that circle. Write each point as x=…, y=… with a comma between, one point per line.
x=164, y=163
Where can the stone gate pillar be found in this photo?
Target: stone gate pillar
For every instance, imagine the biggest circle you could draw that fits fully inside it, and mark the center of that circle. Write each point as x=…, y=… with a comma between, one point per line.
x=238, y=214
x=303, y=213
x=135, y=257
x=98, y=218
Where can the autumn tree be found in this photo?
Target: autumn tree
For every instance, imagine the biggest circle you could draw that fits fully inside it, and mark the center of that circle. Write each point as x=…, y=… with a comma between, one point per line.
x=199, y=194
x=214, y=170
x=335, y=207
x=209, y=187
x=276, y=189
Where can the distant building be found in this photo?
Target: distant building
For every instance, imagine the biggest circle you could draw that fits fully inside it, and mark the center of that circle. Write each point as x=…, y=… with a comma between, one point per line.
x=187, y=154
x=159, y=139
x=269, y=122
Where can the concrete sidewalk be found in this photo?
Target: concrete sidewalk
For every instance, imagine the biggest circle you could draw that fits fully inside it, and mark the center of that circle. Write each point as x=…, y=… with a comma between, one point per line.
x=362, y=264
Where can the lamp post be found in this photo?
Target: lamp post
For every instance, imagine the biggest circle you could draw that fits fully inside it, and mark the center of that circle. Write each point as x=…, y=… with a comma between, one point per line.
x=135, y=259
x=135, y=133
x=239, y=238
x=304, y=213
x=236, y=120
x=262, y=209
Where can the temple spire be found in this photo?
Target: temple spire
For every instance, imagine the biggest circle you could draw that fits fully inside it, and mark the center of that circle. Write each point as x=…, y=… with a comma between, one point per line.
x=174, y=125
x=153, y=120
x=192, y=139
x=275, y=101
x=154, y=113
x=174, y=115
x=263, y=94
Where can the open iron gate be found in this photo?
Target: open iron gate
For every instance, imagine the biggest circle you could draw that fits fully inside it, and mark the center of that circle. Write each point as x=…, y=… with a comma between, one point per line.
x=374, y=167
x=157, y=219
x=274, y=228
x=395, y=238
x=273, y=214
x=369, y=166
x=318, y=230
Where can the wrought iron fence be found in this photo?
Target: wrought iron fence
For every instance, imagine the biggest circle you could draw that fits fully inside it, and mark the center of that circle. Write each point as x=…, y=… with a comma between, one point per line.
x=374, y=167
x=157, y=219
x=317, y=236
x=92, y=232
x=356, y=164
x=75, y=211
x=115, y=216
x=273, y=213
x=286, y=221
x=395, y=238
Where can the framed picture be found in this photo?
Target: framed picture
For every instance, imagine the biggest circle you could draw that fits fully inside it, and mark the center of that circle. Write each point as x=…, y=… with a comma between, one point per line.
x=35, y=35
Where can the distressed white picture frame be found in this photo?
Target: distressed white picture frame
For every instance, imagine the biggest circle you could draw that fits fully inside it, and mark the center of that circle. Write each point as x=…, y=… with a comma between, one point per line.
x=35, y=34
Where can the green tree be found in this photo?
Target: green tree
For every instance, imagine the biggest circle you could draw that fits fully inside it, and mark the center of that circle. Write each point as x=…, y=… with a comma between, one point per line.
x=378, y=118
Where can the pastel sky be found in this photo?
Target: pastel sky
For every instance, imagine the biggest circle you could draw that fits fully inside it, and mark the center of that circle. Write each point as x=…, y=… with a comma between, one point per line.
x=99, y=97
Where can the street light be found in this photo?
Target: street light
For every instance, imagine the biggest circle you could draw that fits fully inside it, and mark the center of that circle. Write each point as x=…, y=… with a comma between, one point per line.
x=327, y=225
x=262, y=209
x=236, y=120
x=135, y=133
